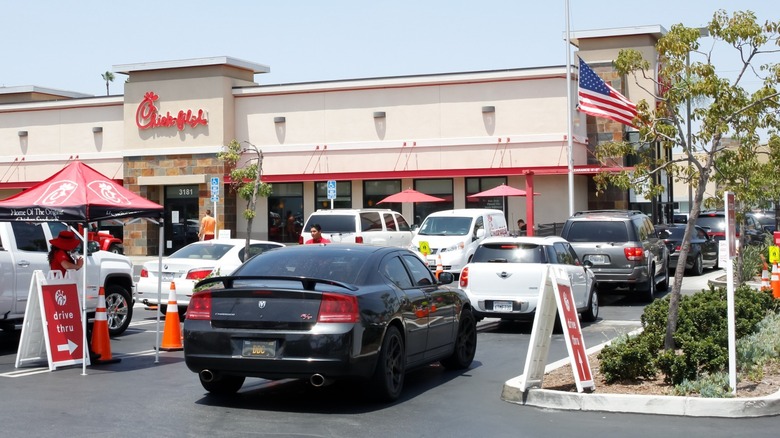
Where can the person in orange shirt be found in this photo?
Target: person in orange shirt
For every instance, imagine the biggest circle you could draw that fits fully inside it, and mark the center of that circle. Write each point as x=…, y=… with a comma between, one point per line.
x=316, y=235
x=207, y=226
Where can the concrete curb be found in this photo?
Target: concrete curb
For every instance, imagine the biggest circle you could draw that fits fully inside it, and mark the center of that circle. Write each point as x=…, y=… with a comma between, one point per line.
x=639, y=404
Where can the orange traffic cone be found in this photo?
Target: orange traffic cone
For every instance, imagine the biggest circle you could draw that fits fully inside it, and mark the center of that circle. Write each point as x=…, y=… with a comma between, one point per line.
x=439, y=267
x=172, y=333
x=100, y=342
x=775, y=281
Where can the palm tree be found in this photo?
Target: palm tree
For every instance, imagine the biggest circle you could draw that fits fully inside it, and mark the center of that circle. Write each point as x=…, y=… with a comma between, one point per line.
x=108, y=77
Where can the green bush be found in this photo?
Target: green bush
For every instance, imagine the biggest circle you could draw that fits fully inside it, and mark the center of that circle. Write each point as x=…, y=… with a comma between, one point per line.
x=628, y=358
x=752, y=264
x=701, y=337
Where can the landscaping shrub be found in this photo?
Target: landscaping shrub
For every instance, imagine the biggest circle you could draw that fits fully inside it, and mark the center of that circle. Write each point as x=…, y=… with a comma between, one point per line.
x=701, y=337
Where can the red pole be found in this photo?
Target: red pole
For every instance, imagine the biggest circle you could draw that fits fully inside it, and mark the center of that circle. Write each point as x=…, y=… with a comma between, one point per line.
x=529, y=201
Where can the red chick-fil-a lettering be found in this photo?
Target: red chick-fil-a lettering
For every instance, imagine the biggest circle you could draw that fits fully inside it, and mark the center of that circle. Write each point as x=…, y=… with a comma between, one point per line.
x=147, y=116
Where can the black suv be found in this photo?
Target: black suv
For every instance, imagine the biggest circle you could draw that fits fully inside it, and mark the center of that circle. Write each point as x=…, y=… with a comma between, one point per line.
x=624, y=249
x=715, y=223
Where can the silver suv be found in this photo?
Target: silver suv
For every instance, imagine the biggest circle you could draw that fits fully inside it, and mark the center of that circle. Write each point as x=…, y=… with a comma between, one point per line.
x=624, y=249
x=372, y=226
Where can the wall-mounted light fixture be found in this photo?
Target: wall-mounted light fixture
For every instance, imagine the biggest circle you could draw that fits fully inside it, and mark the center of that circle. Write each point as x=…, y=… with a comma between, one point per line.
x=22, y=133
x=488, y=109
x=97, y=129
x=379, y=114
x=279, y=119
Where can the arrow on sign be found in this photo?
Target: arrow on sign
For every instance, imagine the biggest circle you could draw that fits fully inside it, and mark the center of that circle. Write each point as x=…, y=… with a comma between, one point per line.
x=70, y=347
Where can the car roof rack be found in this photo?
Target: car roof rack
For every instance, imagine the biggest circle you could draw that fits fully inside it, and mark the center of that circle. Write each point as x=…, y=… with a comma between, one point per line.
x=613, y=211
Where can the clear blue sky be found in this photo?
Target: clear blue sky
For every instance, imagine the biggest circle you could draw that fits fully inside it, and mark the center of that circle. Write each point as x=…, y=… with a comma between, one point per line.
x=68, y=44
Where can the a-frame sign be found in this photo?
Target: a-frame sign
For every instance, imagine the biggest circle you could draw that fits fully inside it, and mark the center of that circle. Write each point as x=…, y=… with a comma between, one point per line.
x=52, y=330
x=556, y=298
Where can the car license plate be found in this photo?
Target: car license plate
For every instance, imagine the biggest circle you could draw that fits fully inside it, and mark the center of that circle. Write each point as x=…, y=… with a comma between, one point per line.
x=167, y=276
x=502, y=306
x=259, y=349
x=598, y=259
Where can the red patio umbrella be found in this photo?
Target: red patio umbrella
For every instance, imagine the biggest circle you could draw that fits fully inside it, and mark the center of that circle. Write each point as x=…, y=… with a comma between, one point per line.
x=410, y=195
x=505, y=190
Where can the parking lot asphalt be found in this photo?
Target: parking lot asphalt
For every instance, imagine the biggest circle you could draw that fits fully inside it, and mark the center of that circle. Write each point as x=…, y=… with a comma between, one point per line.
x=623, y=403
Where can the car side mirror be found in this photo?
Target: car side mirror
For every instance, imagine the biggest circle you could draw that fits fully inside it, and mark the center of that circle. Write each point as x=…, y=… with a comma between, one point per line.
x=92, y=247
x=446, y=277
x=480, y=234
x=588, y=264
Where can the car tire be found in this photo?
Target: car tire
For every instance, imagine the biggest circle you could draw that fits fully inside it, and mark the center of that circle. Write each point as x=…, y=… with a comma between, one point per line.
x=591, y=314
x=116, y=249
x=223, y=384
x=119, y=309
x=663, y=286
x=465, y=343
x=646, y=290
x=698, y=266
x=388, y=379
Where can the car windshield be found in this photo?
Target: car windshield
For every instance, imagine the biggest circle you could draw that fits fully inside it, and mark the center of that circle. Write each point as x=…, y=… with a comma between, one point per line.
x=205, y=251
x=332, y=223
x=715, y=224
x=673, y=233
x=597, y=231
x=509, y=253
x=339, y=266
x=446, y=226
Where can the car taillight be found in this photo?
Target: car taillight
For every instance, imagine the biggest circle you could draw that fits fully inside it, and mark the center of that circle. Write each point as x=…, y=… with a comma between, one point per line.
x=634, y=253
x=359, y=239
x=198, y=274
x=677, y=248
x=144, y=273
x=338, y=308
x=200, y=306
x=300, y=240
x=464, y=277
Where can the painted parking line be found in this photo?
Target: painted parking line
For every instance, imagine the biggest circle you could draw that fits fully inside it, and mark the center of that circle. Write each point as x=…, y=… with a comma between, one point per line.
x=25, y=372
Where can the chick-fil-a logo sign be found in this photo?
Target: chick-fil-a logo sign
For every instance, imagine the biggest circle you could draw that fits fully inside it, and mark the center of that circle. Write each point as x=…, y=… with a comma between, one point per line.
x=147, y=116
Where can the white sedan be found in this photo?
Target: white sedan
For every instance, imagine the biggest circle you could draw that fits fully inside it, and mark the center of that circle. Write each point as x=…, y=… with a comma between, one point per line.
x=503, y=278
x=191, y=264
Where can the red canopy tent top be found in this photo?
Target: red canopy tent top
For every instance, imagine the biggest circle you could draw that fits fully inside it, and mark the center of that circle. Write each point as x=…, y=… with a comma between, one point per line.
x=77, y=193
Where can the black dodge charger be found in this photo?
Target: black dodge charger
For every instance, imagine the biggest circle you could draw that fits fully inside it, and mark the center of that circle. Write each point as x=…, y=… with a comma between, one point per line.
x=327, y=312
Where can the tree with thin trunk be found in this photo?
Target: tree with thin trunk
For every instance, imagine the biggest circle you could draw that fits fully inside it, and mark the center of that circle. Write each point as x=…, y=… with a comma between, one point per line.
x=245, y=180
x=724, y=109
x=108, y=77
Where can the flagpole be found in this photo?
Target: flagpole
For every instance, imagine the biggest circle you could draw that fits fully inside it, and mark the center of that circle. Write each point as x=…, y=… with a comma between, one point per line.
x=568, y=113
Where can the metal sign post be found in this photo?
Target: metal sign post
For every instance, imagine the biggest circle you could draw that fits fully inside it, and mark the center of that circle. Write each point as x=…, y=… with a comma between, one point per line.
x=331, y=191
x=728, y=201
x=215, y=199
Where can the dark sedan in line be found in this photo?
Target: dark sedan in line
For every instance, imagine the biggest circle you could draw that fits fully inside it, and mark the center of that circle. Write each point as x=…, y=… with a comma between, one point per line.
x=327, y=312
x=703, y=252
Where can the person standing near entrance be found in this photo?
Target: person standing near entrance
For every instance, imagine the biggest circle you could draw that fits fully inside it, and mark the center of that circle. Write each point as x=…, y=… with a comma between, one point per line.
x=208, y=226
x=316, y=235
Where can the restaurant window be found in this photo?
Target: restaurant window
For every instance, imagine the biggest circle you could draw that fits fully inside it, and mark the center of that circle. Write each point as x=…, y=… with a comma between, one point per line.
x=375, y=191
x=441, y=188
x=285, y=212
x=476, y=185
x=343, y=195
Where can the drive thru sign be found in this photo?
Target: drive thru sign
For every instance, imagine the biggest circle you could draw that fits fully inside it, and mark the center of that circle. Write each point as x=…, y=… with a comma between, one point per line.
x=52, y=322
x=555, y=294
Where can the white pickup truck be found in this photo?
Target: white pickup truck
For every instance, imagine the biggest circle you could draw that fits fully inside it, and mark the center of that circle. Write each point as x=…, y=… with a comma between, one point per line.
x=24, y=248
x=504, y=276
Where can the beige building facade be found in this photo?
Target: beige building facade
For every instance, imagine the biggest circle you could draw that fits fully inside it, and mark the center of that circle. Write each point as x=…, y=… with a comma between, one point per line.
x=448, y=135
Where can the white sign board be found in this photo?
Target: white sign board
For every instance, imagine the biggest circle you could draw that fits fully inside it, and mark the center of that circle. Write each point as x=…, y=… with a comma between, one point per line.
x=52, y=330
x=556, y=298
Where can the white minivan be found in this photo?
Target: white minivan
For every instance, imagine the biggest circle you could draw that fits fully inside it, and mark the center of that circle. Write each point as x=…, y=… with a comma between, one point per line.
x=454, y=235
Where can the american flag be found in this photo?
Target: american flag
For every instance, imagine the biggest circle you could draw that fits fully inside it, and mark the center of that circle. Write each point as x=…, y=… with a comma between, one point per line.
x=597, y=98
